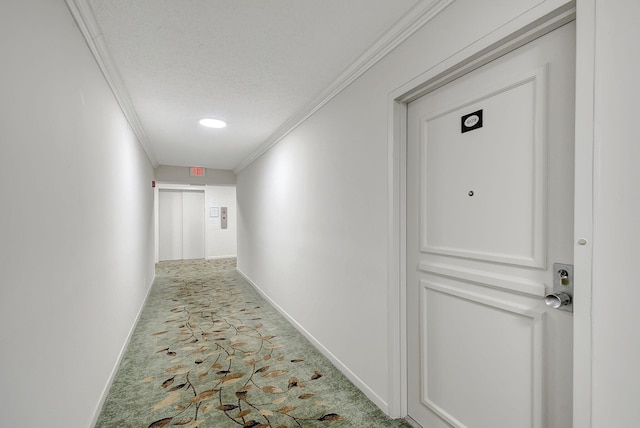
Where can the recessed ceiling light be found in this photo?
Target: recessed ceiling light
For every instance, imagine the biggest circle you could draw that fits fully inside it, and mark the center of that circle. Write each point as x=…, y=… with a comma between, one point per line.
x=212, y=123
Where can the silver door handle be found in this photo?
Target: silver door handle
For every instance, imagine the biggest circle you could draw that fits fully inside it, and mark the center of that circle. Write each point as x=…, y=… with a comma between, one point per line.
x=561, y=297
x=557, y=300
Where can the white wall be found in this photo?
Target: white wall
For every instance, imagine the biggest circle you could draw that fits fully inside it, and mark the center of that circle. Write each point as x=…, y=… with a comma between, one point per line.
x=220, y=242
x=313, y=211
x=616, y=239
x=76, y=225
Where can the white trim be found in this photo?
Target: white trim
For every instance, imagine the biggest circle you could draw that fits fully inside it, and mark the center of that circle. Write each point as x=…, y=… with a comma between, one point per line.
x=536, y=22
x=509, y=37
x=187, y=187
x=234, y=256
x=536, y=256
x=396, y=248
x=488, y=279
x=583, y=226
x=156, y=225
x=371, y=395
x=411, y=422
x=415, y=19
x=536, y=316
x=533, y=312
x=112, y=376
x=84, y=17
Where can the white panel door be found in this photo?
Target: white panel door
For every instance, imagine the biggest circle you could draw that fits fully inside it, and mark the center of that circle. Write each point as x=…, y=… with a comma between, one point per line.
x=193, y=225
x=489, y=210
x=170, y=224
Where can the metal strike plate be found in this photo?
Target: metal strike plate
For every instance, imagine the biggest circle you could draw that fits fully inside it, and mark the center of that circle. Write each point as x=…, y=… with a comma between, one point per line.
x=562, y=285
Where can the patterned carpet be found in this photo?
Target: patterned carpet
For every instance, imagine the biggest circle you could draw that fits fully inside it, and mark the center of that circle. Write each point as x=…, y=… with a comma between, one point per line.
x=208, y=351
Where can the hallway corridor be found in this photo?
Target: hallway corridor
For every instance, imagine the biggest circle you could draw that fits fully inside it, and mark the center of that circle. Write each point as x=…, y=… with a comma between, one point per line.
x=318, y=164
x=209, y=351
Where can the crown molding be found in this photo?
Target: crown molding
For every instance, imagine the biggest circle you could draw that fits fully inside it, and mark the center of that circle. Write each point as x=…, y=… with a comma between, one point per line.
x=416, y=18
x=86, y=21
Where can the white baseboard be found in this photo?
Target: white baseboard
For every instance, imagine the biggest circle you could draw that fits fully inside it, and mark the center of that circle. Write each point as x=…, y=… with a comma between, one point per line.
x=105, y=391
x=362, y=386
x=411, y=422
x=222, y=257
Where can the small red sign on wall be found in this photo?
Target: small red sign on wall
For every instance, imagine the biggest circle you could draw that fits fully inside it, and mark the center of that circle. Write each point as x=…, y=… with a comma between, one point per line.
x=197, y=171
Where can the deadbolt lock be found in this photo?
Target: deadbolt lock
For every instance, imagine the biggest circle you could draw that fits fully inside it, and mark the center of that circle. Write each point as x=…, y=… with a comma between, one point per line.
x=563, y=274
x=562, y=296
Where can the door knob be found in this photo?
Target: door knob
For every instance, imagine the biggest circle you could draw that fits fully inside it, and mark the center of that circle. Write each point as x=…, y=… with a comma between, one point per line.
x=557, y=300
x=561, y=297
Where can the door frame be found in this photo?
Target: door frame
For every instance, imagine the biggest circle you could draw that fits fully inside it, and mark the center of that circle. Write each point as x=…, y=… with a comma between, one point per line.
x=516, y=33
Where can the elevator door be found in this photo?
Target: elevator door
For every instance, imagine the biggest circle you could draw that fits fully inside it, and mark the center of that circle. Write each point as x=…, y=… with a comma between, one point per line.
x=181, y=224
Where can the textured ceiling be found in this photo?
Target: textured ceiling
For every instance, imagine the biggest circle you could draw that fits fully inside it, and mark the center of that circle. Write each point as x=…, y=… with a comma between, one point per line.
x=254, y=63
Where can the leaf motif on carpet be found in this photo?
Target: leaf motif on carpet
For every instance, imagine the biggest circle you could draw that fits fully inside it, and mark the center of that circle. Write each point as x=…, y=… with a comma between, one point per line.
x=222, y=358
x=208, y=351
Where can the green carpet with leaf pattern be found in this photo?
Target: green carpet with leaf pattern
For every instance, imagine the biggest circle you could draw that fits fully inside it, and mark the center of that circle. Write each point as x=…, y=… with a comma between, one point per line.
x=209, y=351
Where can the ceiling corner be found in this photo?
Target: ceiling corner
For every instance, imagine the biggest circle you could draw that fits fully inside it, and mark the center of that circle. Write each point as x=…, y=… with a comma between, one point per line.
x=411, y=22
x=86, y=21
